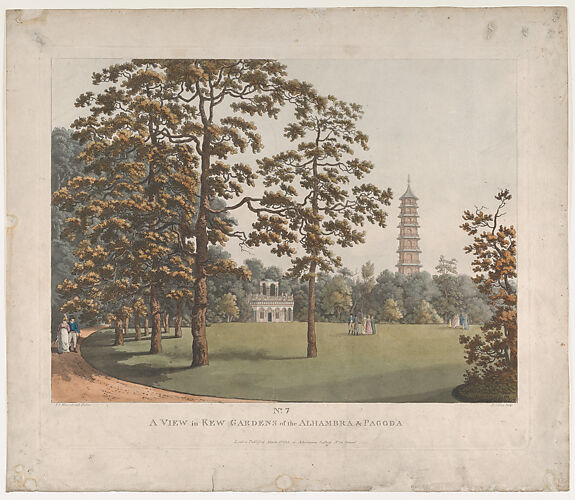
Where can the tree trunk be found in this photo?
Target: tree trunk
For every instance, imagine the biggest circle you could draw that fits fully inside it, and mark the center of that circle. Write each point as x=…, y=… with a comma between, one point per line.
x=126, y=325
x=156, y=341
x=179, y=317
x=167, y=322
x=137, y=326
x=119, y=330
x=146, y=331
x=311, y=343
x=156, y=337
x=200, y=343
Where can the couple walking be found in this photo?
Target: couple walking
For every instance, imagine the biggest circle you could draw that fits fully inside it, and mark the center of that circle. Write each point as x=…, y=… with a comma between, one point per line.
x=359, y=326
x=460, y=321
x=68, y=333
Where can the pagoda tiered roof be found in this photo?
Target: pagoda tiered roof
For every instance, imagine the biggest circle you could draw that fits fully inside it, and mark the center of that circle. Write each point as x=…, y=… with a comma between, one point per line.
x=408, y=194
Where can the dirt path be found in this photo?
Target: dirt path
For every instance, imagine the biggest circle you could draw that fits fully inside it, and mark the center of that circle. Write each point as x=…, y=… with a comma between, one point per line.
x=76, y=381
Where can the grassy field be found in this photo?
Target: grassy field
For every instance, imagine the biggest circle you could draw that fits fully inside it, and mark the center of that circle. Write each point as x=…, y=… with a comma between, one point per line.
x=402, y=363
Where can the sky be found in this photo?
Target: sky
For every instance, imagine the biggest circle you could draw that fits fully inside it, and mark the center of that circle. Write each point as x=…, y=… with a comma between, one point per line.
x=449, y=124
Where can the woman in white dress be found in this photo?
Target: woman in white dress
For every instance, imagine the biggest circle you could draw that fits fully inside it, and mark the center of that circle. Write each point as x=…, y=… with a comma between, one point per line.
x=455, y=321
x=363, y=323
x=63, y=337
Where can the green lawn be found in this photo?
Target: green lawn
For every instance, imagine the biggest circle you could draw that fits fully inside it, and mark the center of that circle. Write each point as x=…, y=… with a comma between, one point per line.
x=402, y=363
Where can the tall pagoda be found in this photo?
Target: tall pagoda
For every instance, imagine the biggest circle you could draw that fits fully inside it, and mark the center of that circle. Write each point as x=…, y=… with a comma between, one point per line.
x=408, y=250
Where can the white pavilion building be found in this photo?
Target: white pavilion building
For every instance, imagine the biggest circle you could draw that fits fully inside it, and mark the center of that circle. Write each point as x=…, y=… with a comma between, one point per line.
x=269, y=305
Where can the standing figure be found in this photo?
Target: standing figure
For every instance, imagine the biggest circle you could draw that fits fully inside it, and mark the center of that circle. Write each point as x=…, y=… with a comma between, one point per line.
x=461, y=320
x=466, y=322
x=455, y=321
x=350, y=324
x=74, y=334
x=368, y=329
x=356, y=325
x=63, y=337
x=373, y=325
x=362, y=325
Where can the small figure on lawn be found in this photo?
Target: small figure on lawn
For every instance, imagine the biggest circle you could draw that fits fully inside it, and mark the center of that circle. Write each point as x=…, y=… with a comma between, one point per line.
x=455, y=321
x=74, y=335
x=350, y=324
x=63, y=337
x=356, y=325
x=368, y=329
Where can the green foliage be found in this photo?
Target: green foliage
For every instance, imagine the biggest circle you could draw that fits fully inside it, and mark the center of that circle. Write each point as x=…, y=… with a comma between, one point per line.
x=446, y=266
x=427, y=315
x=300, y=298
x=449, y=300
x=388, y=285
x=409, y=291
x=417, y=287
x=257, y=271
x=363, y=297
x=391, y=312
x=227, y=306
x=334, y=299
x=65, y=166
x=475, y=303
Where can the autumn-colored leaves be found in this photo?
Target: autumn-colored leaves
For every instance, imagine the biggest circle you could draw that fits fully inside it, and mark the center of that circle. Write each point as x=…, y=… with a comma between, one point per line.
x=493, y=356
x=159, y=141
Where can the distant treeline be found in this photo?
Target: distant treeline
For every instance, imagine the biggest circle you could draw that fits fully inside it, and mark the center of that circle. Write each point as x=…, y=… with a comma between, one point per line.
x=389, y=296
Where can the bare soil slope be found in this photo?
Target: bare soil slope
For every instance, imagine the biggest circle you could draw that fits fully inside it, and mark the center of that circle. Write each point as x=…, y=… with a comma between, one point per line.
x=76, y=381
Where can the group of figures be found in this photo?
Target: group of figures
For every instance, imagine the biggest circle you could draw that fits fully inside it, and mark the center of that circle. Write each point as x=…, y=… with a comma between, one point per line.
x=68, y=333
x=357, y=325
x=460, y=320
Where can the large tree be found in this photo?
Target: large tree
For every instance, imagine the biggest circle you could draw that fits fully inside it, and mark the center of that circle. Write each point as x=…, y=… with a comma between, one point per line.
x=335, y=299
x=390, y=312
x=475, y=303
x=417, y=287
x=427, y=314
x=388, y=286
x=363, y=290
x=312, y=202
x=227, y=306
x=221, y=91
x=493, y=355
x=132, y=208
x=449, y=300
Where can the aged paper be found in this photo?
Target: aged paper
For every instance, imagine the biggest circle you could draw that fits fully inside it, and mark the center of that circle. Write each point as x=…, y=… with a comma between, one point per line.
x=117, y=431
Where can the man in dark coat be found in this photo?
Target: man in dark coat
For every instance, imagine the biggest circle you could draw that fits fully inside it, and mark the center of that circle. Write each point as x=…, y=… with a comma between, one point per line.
x=74, y=334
